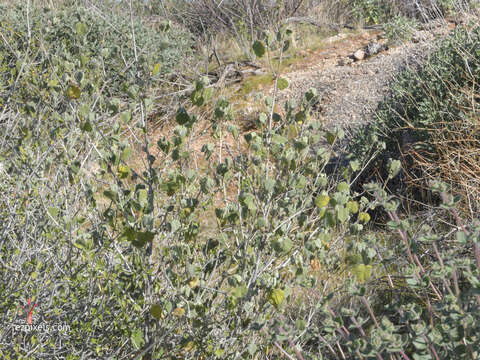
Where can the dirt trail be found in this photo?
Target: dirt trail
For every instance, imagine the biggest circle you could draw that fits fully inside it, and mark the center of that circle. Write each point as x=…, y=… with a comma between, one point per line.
x=350, y=90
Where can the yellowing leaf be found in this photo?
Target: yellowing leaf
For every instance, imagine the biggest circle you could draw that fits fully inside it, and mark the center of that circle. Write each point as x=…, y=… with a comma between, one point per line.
x=73, y=92
x=292, y=131
x=368, y=272
x=52, y=83
x=362, y=272
x=123, y=171
x=276, y=297
x=352, y=206
x=364, y=217
x=219, y=352
x=156, y=69
x=189, y=346
x=193, y=283
x=322, y=200
x=178, y=312
x=359, y=272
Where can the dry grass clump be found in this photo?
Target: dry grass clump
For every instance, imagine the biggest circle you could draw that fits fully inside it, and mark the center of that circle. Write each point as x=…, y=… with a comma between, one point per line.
x=452, y=154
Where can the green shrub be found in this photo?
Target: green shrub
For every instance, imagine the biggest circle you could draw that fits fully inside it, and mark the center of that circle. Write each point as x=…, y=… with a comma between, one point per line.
x=431, y=117
x=68, y=79
x=76, y=45
x=147, y=248
x=382, y=12
x=399, y=29
x=371, y=11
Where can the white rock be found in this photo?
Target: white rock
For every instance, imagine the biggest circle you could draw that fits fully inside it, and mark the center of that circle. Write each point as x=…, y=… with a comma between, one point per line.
x=359, y=55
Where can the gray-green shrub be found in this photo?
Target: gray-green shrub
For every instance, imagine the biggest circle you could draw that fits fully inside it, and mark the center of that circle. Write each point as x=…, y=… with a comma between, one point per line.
x=430, y=116
x=148, y=249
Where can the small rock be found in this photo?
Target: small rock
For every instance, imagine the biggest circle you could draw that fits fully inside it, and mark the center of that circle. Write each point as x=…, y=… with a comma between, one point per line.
x=359, y=55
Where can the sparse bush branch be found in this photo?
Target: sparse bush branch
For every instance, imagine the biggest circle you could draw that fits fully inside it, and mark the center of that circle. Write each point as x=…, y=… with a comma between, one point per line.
x=474, y=237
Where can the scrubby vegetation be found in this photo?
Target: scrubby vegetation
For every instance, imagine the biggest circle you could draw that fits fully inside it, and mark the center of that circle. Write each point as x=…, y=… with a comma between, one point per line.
x=431, y=119
x=198, y=240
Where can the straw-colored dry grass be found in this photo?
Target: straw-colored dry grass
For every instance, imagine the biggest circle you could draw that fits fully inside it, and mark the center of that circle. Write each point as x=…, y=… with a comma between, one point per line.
x=451, y=154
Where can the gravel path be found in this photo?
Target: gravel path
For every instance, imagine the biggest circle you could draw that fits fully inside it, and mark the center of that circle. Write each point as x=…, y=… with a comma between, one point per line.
x=350, y=91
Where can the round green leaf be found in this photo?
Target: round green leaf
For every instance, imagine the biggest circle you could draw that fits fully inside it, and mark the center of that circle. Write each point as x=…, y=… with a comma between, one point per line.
x=355, y=165
x=182, y=116
x=239, y=291
x=342, y=213
x=81, y=28
x=53, y=211
x=330, y=138
x=259, y=48
x=86, y=126
x=282, y=83
x=343, y=187
x=156, y=311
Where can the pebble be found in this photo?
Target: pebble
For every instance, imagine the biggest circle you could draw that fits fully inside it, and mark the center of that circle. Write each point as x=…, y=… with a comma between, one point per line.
x=359, y=55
